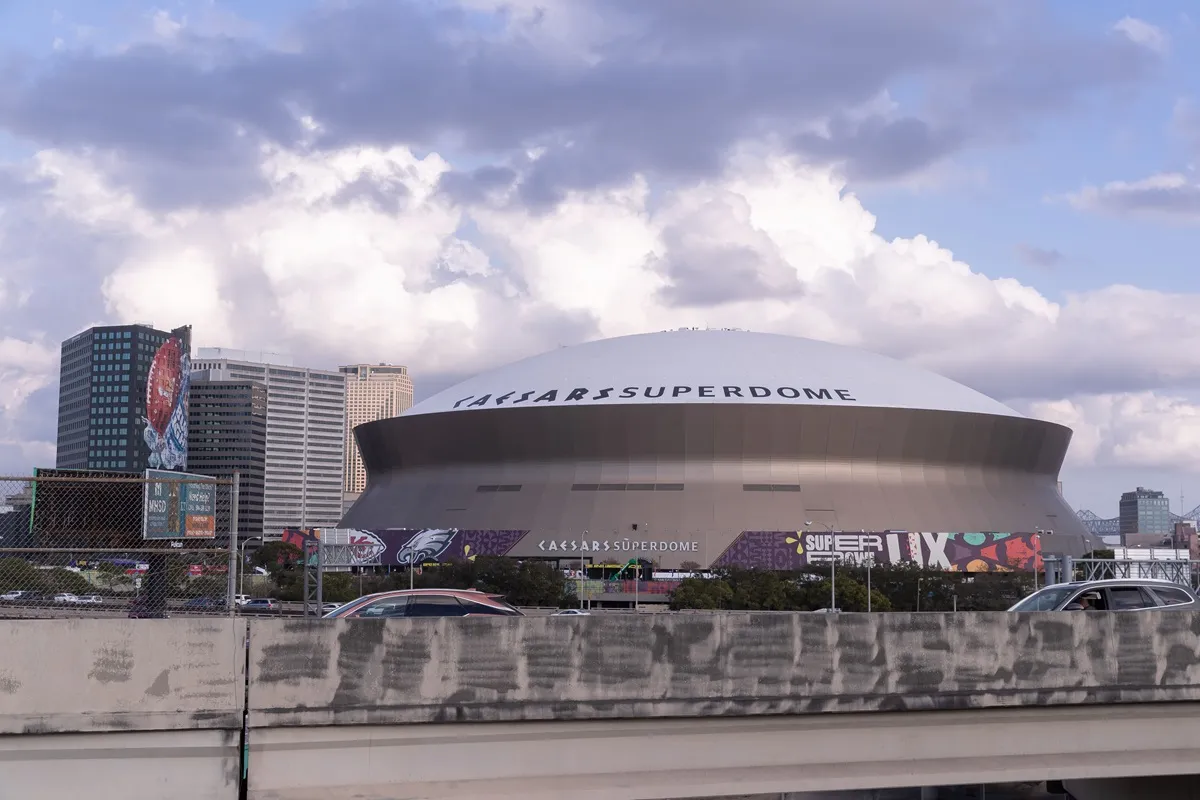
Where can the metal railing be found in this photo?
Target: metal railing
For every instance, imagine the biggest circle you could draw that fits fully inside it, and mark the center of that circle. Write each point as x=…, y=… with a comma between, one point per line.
x=116, y=544
x=1060, y=569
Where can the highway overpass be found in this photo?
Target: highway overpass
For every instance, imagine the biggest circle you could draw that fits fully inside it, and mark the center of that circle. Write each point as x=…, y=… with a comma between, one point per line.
x=622, y=706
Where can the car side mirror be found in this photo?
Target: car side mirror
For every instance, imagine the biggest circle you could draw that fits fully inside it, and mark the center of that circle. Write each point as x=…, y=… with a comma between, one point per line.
x=1073, y=607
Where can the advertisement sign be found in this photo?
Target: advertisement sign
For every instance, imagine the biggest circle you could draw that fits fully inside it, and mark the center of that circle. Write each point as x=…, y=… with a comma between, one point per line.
x=175, y=510
x=166, y=418
x=402, y=547
x=979, y=551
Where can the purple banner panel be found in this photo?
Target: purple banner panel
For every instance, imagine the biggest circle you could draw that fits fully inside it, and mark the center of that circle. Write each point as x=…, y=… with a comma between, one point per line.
x=405, y=546
x=960, y=552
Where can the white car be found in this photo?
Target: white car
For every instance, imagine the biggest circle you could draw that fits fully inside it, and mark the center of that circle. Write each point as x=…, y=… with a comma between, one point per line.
x=16, y=594
x=67, y=597
x=241, y=599
x=572, y=612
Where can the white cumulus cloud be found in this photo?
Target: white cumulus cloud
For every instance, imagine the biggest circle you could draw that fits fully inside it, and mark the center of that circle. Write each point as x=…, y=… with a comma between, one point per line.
x=356, y=254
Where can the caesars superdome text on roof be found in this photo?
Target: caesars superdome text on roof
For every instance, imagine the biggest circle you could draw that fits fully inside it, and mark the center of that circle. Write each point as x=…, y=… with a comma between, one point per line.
x=584, y=394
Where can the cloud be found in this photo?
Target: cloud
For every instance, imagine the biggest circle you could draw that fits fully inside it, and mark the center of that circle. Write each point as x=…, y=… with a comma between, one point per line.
x=1143, y=429
x=1170, y=196
x=1143, y=33
x=453, y=186
x=319, y=266
x=606, y=89
x=1042, y=257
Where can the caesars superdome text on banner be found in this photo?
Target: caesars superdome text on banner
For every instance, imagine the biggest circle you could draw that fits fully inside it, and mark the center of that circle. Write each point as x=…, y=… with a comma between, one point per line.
x=583, y=394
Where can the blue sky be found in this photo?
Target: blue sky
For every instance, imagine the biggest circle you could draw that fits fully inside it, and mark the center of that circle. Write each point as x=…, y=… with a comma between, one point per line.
x=445, y=154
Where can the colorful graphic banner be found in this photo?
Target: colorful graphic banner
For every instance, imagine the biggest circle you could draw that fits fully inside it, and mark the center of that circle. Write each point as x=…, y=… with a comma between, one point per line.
x=166, y=420
x=777, y=550
x=985, y=551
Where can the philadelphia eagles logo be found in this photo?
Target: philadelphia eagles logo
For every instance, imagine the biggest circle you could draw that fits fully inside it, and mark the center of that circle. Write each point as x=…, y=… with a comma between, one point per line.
x=425, y=545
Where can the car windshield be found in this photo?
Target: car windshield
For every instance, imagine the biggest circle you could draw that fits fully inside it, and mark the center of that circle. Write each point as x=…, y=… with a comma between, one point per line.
x=1046, y=599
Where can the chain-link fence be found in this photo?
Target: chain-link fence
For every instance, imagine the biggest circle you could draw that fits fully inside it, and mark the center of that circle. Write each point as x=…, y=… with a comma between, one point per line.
x=111, y=544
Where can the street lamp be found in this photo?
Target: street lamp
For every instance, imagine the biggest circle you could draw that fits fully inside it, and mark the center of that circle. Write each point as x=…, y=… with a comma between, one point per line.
x=832, y=567
x=241, y=576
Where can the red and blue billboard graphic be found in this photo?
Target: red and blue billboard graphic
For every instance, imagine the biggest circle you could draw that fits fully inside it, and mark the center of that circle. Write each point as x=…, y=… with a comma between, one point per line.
x=404, y=547
x=166, y=419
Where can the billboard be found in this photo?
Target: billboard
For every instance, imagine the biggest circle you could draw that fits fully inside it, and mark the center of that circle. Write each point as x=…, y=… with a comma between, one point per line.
x=980, y=551
x=176, y=510
x=403, y=547
x=166, y=403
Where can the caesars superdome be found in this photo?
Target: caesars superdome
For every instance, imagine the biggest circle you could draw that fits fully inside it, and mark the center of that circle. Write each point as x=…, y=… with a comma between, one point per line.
x=717, y=448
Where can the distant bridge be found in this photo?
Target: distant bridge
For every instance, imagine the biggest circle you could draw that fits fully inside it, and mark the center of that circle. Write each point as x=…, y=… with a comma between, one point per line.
x=1100, y=526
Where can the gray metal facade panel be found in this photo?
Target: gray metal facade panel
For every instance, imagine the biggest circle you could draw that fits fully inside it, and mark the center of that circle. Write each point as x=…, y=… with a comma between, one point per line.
x=858, y=469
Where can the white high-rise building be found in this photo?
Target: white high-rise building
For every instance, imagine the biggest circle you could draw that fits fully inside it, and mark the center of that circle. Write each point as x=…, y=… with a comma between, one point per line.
x=306, y=435
x=373, y=391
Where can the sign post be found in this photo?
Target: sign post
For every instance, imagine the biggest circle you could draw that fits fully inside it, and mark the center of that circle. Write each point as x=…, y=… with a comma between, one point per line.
x=179, y=505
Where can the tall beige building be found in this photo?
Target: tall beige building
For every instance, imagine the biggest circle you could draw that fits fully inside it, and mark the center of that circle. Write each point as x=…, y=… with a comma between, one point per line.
x=373, y=391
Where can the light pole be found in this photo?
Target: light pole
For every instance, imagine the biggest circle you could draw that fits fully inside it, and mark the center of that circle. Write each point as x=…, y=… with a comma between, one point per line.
x=242, y=563
x=832, y=566
x=870, y=561
x=582, y=570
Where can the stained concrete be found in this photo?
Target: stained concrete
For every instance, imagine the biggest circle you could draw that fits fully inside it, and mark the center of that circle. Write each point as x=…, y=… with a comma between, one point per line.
x=109, y=675
x=327, y=672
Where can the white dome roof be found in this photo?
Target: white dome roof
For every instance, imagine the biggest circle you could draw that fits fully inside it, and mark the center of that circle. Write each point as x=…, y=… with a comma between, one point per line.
x=710, y=366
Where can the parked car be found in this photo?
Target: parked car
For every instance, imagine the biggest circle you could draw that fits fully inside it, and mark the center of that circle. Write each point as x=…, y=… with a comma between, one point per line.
x=1122, y=594
x=91, y=599
x=572, y=612
x=426, y=603
x=256, y=605
x=205, y=603
x=241, y=599
x=141, y=608
x=67, y=598
x=13, y=596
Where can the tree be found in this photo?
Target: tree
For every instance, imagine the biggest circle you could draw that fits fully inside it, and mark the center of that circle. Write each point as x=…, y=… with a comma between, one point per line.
x=709, y=594
x=762, y=590
x=277, y=557
x=690, y=566
x=113, y=575
x=63, y=580
x=851, y=595
x=338, y=587
x=17, y=574
x=540, y=584
x=208, y=586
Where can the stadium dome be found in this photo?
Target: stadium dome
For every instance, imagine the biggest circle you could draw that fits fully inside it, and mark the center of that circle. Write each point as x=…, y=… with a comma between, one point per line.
x=710, y=366
x=716, y=447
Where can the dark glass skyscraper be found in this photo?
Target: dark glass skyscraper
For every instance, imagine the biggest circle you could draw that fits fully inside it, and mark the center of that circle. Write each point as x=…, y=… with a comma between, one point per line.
x=122, y=401
x=227, y=433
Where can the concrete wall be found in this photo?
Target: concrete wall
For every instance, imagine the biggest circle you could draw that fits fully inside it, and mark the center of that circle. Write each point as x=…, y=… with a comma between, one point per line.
x=348, y=672
x=121, y=709
x=84, y=675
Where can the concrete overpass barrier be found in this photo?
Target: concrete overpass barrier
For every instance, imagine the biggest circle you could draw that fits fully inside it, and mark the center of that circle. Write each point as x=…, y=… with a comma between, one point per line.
x=313, y=672
x=339, y=708
x=131, y=708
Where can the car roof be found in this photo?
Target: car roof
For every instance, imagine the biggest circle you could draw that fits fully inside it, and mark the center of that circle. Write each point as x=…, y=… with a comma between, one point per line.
x=1100, y=584
x=474, y=595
